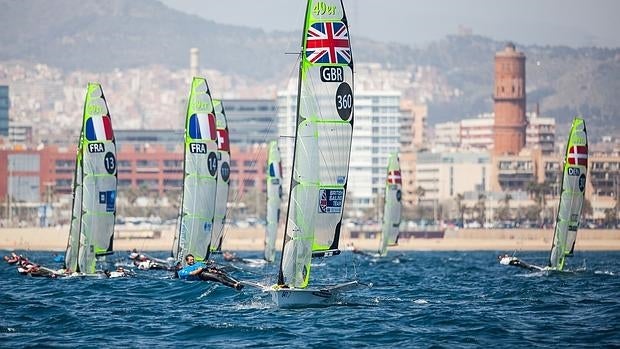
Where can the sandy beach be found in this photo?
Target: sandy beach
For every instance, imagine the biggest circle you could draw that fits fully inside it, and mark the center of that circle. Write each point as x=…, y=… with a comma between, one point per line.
x=251, y=239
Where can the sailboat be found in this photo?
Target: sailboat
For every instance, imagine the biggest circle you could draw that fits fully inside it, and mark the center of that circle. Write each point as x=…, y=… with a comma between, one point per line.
x=392, y=207
x=200, y=176
x=94, y=188
x=223, y=166
x=274, y=200
x=319, y=173
x=573, y=186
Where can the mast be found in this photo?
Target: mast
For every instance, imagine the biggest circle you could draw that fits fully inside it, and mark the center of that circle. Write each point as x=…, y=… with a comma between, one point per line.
x=323, y=135
x=73, y=240
x=200, y=174
x=573, y=185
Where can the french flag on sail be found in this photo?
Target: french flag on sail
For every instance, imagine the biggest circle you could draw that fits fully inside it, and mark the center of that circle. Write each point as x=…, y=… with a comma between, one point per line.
x=202, y=126
x=99, y=128
x=578, y=155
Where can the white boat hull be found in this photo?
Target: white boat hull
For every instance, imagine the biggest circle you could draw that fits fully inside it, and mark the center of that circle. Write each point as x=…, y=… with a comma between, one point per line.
x=300, y=297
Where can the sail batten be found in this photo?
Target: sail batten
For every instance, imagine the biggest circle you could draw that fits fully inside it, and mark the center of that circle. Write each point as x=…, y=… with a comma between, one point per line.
x=324, y=129
x=573, y=187
x=94, y=187
x=200, y=175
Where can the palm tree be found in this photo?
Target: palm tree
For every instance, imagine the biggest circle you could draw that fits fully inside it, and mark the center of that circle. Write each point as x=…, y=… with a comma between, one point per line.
x=460, y=206
x=503, y=213
x=537, y=192
x=481, y=208
x=419, y=193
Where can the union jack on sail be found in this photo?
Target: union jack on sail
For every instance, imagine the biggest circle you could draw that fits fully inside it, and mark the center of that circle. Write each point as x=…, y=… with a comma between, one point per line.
x=328, y=42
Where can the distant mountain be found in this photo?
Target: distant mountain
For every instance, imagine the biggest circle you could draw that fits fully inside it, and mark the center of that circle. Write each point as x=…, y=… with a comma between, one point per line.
x=104, y=35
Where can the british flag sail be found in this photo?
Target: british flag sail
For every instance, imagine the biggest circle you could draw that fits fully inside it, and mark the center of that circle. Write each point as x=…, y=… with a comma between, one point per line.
x=392, y=207
x=572, y=195
x=200, y=175
x=94, y=187
x=322, y=142
x=223, y=169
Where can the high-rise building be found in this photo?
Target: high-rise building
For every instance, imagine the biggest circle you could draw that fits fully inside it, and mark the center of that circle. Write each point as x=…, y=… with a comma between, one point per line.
x=509, y=97
x=4, y=111
x=251, y=121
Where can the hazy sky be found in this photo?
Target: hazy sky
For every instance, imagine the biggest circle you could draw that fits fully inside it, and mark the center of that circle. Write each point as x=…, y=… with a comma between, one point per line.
x=543, y=22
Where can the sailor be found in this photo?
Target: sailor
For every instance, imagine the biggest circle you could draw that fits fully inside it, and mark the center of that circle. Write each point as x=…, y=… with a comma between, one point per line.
x=13, y=258
x=200, y=271
x=516, y=262
x=119, y=272
x=137, y=257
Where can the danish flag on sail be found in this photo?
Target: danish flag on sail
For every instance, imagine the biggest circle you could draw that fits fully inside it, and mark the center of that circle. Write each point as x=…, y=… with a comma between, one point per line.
x=578, y=155
x=99, y=128
x=394, y=177
x=202, y=126
x=222, y=140
x=328, y=43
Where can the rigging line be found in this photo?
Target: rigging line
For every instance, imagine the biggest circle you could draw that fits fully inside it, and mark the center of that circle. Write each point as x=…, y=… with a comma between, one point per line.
x=237, y=195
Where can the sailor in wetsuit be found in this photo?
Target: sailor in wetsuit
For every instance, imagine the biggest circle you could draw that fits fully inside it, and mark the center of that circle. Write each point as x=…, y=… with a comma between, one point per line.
x=516, y=262
x=200, y=271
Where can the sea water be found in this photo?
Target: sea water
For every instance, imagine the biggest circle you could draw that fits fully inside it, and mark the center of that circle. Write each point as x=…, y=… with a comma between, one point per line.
x=417, y=299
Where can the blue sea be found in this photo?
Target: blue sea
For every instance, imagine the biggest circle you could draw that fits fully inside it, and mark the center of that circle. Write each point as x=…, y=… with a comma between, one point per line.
x=418, y=299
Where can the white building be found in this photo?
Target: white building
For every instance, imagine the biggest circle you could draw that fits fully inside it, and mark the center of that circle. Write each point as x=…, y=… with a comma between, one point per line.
x=443, y=175
x=477, y=133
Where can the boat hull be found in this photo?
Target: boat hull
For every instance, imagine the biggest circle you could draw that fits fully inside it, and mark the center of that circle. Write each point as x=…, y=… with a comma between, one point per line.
x=301, y=297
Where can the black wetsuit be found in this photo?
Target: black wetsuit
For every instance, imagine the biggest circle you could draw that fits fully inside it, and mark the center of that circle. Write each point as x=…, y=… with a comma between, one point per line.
x=212, y=274
x=521, y=264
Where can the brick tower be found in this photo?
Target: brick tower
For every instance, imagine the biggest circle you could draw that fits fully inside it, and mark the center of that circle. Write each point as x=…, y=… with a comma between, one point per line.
x=509, y=97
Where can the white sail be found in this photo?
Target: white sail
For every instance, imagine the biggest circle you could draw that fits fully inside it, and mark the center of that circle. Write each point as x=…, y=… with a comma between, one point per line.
x=94, y=187
x=393, y=206
x=223, y=165
x=274, y=199
x=322, y=142
x=200, y=175
x=572, y=195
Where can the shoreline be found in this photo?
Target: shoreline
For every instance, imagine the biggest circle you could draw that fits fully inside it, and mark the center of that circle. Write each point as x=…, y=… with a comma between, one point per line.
x=251, y=239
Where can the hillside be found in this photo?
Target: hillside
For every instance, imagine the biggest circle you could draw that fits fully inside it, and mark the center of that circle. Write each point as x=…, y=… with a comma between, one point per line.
x=104, y=35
